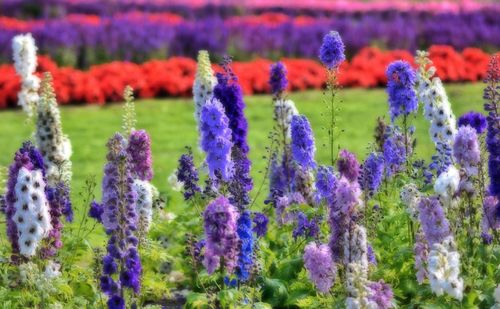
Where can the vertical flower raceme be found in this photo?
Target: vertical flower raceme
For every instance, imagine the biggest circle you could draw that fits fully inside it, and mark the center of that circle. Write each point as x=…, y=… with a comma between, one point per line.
x=303, y=147
x=331, y=52
x=59, y=204
x=410, y=196
x=467, y=154
x=121, y=265
x=204, y=83
x=187, y=175
x=53, y=144
x=491, y=96
x=381, y=294
x=490, y=222
x=356, y=247
x=421, y=250
x=25, y=62
x=320, y=266
x=220, y=223
x=27, y=209
x=129, y=116
x=444, y=269
x=139, y=150
x=372, y=172
x=277, y=79
x=437, y=110
x=394, y=152
x=305, y=227
x=284, y=110
x=245, y=254
x=447, y=185
x=241, y=184
x=325, y=184
x=475, y=120
x=433, y=221
x=216, y=140
x=342, y=213
x=348, y=165
x=144, y=205
x=400, y=87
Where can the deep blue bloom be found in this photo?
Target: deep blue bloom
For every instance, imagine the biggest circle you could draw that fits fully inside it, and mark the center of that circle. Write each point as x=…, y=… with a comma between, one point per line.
x=400, y=88
x=109, y=265
x=188, y=175
x=260, y=222
x=303, y=147
x=372, y=173
x=325, y=183
x=116, y=302
x=305, y=227
x=108, y=285
x=331, y=52
x=96, y=211
x=245, y=254
x=473, y=119
x=131, y=280
x=277, y=78
x=230, y=282
x=242, y=183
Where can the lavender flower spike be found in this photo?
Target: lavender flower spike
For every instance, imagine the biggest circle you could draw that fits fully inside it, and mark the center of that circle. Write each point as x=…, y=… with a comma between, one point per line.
x=220, y=223
x=400, y=84
x=348, y=165
x=139, y=150
x=331, y=52
x=216, y=140
x=204, y=83
x=25, y=62
x=303, y=147
x=277, y=79
x=320, y=266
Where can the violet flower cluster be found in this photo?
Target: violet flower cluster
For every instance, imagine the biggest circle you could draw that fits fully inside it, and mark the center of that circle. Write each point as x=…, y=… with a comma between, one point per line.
x=325, y=184
x=303, y=147
x=139, y=150
x=348, y=165
x=331, y=52
x=394, y=152
x=216, y=140
x=475, y=120
x=277, y=79
x=260, y=222
x=121, y=265
x=434, y=223
x=400, y=87
x=372, y=173
x=320, y=266
x=220, y=224
x=306, y=227
x=466, y=153
x=246, y=238
x=187, y=174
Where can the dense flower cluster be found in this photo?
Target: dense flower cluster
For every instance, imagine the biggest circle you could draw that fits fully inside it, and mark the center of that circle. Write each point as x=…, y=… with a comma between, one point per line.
x=467, y=154
x=303, y=147
x=372, y=173
x=25, y=62
x=220, y=223
x=325, y=184
x=320, y=266
x=53, y=144
x=216, y=140
x=174, y=77
x=277, y=79
x=187, y=175
x=394, y=152
x=121, y=265
x=348, y=165
x=139, y=150
x=437, y=110
x=246, y=238
x=475, y=120
x=260, y=222
x=400, y=87
x=331, y=52
x=204, y=83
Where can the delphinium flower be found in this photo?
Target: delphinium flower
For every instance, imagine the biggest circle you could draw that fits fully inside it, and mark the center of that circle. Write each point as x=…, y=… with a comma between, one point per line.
x=490, y=222
x=187, y=175
x=303, y=147
x=433, y=221
x=437, y=110
x=421, y=250
x=284, y=110
x=410, y=196
x=245, y=252
x=400, y=87
x=305, y=227
x=394, y=152
x=260, y=222
x=325, y=184
x=220, y=224
x=144, y=205
x=129, y=118
x=357, y=288
x=380, y=134
x=204, y=83
x=348, y=165
x=341, y=214
x=381, y=294
x=444, y=269
x=139, y=150
x=25, y=62
x=331, y=52
x=283, y=203
x=320, y=267
x=475, y=120
x=277, y=79
x=356, y=247
x=60, y=204
x=241, y=184
x=53, y=144
x=467, y=154
x=491, y=96
x=27, y=209
x=216, y=140
x=121, y=265
x=447, y=185
x=372, y=172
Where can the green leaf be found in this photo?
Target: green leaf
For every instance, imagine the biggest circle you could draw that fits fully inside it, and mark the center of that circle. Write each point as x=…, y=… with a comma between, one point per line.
x=274, y=292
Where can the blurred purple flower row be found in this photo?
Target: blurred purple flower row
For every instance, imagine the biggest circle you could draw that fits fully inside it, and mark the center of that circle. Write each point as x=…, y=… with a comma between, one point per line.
x=85, y=40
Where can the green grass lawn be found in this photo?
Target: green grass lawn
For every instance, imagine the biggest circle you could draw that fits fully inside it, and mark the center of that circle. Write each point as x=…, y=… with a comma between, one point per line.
x=171, y=126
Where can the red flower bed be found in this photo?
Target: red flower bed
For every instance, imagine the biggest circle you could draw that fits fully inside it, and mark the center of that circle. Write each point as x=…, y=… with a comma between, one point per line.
x=174, y=77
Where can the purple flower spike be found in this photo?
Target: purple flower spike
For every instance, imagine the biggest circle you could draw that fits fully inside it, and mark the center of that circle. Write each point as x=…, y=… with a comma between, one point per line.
x=400, y=87
x=277, y=78
x=348, y=165
x=139, y=149
x=303, y=147
x=475, y=120
x=331, y=52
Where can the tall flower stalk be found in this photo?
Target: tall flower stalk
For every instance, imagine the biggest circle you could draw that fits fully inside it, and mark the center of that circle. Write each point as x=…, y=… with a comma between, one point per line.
x=204, y=83
x=331, y=54
x=25, y=62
